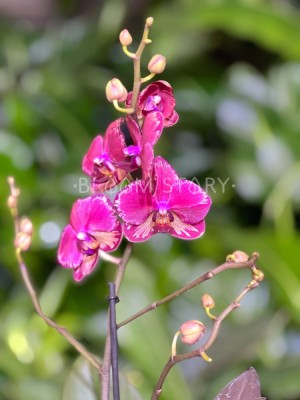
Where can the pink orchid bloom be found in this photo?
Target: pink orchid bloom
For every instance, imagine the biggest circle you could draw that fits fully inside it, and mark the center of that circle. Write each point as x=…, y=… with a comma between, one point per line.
x=174, y=206
x=105, y=160
x=93, y=226
x=144, y=139
x=158, y=96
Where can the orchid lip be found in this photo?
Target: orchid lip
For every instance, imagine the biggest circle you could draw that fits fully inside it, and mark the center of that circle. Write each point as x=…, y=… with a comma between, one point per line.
x=163, y=217
x=87, y=243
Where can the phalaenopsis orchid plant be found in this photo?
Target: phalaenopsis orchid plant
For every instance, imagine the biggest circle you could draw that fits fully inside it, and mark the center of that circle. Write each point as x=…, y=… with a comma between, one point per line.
x=150, y=198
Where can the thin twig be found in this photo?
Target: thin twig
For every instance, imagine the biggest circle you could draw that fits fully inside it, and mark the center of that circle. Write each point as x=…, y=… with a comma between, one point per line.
x=208, y=275
x=137, y=66
x=32, y=293
x=60, y=329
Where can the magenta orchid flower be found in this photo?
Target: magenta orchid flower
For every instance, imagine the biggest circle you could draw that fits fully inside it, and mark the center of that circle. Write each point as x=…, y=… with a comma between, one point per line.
x=105, y=160
x=93, y=227
x=144, y=139
x=174, y=206
x=157, y=96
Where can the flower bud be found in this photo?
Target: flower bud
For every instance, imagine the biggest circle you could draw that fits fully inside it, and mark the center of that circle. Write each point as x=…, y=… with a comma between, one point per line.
x=192, y=331
x=23, y=241
x=207, y=301
x=149, y=21
x=115, y=90
x=125, y=38
x=26, y=226
x=11, y=201
x=157, y=64
x=238, y=256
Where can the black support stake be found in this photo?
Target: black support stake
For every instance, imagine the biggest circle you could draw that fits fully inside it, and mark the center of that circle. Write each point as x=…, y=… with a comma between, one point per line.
x=113, y=299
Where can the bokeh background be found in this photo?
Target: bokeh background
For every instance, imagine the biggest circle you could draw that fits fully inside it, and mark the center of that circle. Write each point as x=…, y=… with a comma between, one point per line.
x=234, y=66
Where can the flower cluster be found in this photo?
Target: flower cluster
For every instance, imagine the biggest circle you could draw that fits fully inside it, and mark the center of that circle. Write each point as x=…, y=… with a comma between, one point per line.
x=158, y=202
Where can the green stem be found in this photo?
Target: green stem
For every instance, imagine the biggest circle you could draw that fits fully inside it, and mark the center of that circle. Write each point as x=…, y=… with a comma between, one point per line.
x=137, y=66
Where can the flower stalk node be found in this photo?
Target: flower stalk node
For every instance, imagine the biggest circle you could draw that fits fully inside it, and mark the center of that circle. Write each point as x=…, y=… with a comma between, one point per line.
x=122, y=109
x=205, y=357
x=258, y=275
x=129, y=53
x=147, y=78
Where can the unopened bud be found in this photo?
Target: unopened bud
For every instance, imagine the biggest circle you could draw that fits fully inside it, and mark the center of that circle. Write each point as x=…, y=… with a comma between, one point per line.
x=207, y=301
x=26, y=226
x=23, y=241
x=157, y=64
x=11, y=201
x=115, y=90
x=125, y=38
x=149, y=21
x=192, y=331
x=238, y=256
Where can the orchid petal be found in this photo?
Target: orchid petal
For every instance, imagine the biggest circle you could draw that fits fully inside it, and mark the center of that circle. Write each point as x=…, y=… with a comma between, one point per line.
x=189, y=201
x=179, y=229
x=147, y=156
x=107, y=182
x=95, y=150
x=171, y=119
x=94, y=213
x=109, y=241
x=186, y=231
x=87, y=266
x=68, y=254
x=134, y=203
x=139, y=233
x=164, y=179
x=152, y=127
x=114, y=142
x=134, y=130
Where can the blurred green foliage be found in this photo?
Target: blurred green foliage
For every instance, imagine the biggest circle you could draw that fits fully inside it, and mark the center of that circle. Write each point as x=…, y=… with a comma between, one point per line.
x=235, y=69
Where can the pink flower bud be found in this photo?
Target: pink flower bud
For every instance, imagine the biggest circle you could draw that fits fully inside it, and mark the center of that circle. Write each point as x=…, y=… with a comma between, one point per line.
x=26, y=226
x=157, y=64
x=125, y=38
x=11, y=201
x=207, y=301
x=238, y=256
x=192, y=331
x=23, y=241
x=115, y=90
